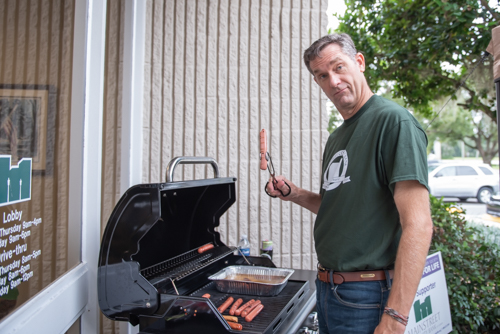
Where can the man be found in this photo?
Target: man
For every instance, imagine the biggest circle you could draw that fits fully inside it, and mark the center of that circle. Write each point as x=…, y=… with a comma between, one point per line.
x=373, y=226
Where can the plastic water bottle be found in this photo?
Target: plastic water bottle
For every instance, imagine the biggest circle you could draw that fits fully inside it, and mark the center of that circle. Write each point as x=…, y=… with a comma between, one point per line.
x=244, y=246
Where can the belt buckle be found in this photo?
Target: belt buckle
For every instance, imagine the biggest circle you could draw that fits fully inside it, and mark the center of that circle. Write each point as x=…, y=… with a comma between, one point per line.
x=323, y=276
x=321, y=270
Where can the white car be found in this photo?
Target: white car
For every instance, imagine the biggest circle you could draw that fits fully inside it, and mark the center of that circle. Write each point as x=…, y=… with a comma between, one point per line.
x=463, y=180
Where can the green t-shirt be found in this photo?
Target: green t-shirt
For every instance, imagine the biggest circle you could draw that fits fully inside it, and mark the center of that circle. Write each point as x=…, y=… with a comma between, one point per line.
x=357, y=226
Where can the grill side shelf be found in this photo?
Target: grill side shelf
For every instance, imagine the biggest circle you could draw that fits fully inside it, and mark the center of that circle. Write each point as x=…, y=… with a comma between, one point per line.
x=184, y=265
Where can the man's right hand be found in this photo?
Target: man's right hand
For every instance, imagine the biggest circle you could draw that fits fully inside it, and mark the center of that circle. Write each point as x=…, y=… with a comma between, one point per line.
x=281, y=188
x=304, y=198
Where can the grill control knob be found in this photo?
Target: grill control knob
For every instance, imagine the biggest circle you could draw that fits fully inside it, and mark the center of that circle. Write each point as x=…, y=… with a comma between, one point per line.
x=312, y=321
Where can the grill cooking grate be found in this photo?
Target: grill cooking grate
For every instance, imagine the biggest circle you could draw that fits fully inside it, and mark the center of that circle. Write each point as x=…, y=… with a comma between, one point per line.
x=185, y=264
x=268, y=320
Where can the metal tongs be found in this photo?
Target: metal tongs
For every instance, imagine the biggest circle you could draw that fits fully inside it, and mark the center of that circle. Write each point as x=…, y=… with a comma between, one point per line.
x=241, y=253
x=267, y=163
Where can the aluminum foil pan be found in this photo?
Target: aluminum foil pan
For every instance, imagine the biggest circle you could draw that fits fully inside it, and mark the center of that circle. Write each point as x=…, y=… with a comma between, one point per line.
x=247, y=280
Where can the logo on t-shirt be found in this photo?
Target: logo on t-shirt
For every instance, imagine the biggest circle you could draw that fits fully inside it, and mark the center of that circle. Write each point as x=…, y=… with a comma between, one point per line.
x=335, y=172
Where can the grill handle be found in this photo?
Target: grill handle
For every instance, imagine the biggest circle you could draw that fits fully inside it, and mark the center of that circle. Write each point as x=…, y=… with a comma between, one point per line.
x=190, y=160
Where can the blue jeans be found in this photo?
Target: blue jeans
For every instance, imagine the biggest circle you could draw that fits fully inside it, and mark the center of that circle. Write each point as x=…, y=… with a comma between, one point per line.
x=351, y=307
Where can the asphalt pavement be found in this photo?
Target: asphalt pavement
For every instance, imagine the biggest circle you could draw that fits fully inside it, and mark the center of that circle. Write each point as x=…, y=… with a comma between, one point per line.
x=475, y=211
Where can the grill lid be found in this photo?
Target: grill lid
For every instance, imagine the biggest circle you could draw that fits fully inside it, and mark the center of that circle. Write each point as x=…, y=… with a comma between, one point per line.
x=157, y=224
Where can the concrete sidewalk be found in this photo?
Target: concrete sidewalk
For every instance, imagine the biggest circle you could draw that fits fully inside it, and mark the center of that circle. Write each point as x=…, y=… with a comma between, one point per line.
x=485, y=219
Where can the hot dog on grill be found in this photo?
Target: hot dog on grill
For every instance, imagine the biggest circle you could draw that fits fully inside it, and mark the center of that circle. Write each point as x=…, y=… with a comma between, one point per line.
x=254, y=312
x=234, y=325
x=250, y=308
x=230, y=318
x=235, y=306
x=242, y=308
x=204, y=248
x=226, y=304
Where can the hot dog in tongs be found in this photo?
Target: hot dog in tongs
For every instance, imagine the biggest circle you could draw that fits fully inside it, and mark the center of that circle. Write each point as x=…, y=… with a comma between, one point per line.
x=267, y=163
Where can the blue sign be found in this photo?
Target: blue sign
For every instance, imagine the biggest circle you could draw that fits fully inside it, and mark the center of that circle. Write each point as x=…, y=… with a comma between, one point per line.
x=432, y=265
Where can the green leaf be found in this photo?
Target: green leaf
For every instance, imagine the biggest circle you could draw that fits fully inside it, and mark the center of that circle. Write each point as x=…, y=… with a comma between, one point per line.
x=407, y=42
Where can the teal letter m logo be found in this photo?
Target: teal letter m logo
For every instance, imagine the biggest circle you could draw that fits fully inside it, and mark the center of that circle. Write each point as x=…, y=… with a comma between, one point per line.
x=15, y=181
x=422, y=310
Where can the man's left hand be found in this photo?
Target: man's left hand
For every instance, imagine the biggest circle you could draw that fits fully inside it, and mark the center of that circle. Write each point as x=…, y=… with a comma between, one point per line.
x=388, y=325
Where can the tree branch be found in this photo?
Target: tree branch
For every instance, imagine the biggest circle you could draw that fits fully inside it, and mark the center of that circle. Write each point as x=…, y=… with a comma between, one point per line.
x=493, y=13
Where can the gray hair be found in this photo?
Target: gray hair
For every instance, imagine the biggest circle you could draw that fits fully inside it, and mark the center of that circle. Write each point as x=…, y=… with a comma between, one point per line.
x=343, y=40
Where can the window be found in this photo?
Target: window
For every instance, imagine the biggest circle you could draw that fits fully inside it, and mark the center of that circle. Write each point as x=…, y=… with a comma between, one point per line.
x=486, y=171
x=466, y=170
x=447, y=171
x=35, y=115
x=432, y=167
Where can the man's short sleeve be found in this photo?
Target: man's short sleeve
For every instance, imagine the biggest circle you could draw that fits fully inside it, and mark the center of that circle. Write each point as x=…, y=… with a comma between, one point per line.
x=404, y=154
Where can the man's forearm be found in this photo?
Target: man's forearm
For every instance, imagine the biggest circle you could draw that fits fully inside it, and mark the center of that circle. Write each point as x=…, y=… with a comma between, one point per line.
x=410, y=262
x=307, y=199
x=412, y=201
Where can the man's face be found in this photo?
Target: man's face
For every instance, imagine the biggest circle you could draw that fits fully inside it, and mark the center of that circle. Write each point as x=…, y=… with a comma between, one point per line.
x=341, y=78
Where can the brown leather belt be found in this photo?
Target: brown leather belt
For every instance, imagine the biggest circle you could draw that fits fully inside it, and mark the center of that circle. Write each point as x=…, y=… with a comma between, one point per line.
x=353, y=276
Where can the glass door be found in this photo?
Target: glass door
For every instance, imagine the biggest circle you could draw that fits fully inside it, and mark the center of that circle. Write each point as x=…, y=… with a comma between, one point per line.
x=51, y=56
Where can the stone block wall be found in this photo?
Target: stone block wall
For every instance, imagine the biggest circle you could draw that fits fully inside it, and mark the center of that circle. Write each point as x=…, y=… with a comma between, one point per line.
x=216, y=73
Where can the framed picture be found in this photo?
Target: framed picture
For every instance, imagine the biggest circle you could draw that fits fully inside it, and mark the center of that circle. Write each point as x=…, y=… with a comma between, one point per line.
x=23, y=123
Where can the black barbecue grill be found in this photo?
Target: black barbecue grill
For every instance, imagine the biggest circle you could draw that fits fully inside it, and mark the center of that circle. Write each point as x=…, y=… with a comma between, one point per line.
x=151, y=273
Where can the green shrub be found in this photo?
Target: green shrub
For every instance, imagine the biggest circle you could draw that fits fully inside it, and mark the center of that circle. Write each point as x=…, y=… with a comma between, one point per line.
x=488, y=233
x=472, y=268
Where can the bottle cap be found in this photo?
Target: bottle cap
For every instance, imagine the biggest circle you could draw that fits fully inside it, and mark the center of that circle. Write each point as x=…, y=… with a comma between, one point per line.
x=267, y=245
